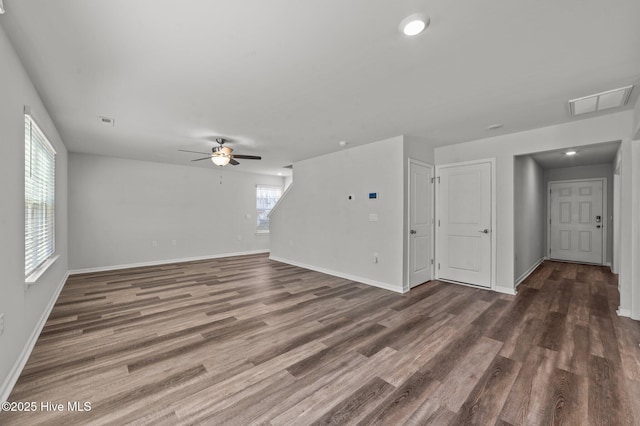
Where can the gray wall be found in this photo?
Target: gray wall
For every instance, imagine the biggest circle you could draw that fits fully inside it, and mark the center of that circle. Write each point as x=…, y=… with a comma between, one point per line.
x=529, y=217
x=587, y=172
x=23, y=306
x=119, y=207
x=315, y=225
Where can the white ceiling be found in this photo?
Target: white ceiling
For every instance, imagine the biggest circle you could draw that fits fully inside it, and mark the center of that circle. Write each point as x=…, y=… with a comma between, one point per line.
x=289, y=79
x=600, y=153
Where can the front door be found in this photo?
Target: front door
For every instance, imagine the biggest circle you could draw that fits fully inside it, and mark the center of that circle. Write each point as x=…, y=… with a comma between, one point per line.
x=464, y=206
x=576, y=221
x=420, y=226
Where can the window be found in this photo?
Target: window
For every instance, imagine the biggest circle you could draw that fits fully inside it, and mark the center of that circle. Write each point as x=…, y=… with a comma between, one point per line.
x=39, y=197
x=266, y=199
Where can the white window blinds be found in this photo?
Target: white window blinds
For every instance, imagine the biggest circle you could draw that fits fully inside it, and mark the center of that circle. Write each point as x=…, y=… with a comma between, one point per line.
x=39, y=197
x=266, y=199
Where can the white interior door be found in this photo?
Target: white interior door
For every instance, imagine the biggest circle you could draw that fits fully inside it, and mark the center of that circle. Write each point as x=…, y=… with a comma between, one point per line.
x=420, y=223
x=576, y=221
x=464, y=215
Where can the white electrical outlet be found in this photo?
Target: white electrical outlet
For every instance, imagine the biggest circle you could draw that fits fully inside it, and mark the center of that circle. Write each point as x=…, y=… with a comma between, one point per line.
x=1, y=324
x=174, y=242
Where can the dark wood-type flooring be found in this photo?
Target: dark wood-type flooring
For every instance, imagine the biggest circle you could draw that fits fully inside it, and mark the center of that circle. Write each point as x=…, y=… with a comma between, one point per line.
x=249, y=341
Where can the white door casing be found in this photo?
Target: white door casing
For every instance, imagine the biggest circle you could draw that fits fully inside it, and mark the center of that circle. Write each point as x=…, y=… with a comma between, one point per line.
x=465, y=220
x=420, y=222
x=577, y=218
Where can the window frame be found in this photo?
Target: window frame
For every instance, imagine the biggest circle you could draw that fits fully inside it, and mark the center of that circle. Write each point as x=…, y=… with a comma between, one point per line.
x=268, y=211
x=39, y=200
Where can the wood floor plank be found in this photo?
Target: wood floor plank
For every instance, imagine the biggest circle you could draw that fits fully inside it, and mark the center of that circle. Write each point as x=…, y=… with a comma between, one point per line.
x=352, y=409
x=459, y=383
x=608, y=395
x=628, y=337
x=525, y=402
x=485, y=401
x=553, y=329
x=318, y=404
x=568, y=396
x=404, y=401
x=249, y=341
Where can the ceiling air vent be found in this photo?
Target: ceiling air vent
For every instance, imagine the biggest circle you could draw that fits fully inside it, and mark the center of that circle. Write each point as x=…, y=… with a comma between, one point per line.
x=107, y=121
x=290, y=166
x=600, y=101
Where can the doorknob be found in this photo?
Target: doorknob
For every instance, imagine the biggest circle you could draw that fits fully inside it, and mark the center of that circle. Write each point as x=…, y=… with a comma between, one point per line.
x=413, y=231
x=484, y=231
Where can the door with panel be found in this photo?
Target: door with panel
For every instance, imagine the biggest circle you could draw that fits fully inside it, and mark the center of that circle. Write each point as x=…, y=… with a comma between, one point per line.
x=464, y=216
x=576, y=221
x=420, y=222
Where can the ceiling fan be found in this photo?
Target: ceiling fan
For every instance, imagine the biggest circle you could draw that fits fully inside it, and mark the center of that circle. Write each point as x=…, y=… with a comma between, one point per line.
x=222, y=155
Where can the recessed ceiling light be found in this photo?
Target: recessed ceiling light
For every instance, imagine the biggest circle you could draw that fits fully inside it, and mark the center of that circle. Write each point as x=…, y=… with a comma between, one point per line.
x=570, y=153
x=342, y=143
x=1, y=8
x=494, y=126
x=279, y=173
x=414, y=24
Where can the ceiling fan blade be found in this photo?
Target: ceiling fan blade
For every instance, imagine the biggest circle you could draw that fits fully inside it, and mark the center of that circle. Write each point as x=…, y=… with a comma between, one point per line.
x=195, y=152
x=248, y=157
x=233, y=162
x=200, y=159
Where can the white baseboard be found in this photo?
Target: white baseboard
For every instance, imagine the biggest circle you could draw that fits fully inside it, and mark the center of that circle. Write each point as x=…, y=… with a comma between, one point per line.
x=505, y=290
x=16, y=370
x=363, y=280
x=624, y=313
x=529, y=271
x=162, y=262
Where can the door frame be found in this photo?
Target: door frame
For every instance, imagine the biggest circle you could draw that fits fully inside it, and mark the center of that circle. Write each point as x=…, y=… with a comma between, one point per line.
x=494, y=259
x=431, y=228
x=605, y=222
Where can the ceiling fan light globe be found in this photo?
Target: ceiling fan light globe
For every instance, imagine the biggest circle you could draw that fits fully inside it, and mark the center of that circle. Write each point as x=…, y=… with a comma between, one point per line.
x=220, y=160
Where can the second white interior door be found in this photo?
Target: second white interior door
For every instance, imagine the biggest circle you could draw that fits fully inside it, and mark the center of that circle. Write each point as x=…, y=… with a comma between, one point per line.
x=420, y=222
x=464, y=206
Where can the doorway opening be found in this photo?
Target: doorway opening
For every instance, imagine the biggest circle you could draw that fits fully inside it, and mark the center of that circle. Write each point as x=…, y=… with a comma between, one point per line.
x=535, y=239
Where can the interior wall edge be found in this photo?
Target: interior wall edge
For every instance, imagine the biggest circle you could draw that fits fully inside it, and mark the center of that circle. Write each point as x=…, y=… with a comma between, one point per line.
x=529, y=271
